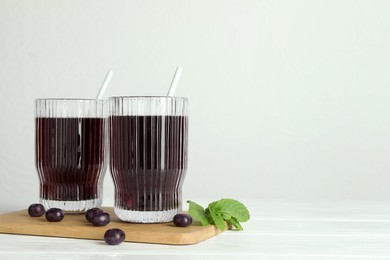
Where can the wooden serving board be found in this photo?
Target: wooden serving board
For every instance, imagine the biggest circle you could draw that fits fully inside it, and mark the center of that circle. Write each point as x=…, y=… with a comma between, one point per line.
x=76, y=226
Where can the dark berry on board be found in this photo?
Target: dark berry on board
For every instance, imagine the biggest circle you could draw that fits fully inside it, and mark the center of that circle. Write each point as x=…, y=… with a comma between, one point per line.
x=182, y=220
x=54, y=215
x=36, y=210
x=114, y=236
x=92, y=212
x=100, y=219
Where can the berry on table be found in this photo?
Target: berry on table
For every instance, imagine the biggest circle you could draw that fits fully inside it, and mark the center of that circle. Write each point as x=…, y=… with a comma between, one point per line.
x=36, y=210
x=100, y=219
x=92, y=212
x=182, y=220
x=114, y=236
x=54, y=215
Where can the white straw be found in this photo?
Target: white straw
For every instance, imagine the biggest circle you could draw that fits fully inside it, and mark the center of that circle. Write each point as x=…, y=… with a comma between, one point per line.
x=175, y=80
x=105, y=84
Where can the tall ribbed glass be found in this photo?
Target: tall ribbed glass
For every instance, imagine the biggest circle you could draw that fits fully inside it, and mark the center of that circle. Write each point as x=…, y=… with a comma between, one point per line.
x=148, y=156
x=70, y=152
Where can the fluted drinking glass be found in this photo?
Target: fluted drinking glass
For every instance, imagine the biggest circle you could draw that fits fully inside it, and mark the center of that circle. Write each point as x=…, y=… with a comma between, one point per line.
x=70, y=152
x=148, y=156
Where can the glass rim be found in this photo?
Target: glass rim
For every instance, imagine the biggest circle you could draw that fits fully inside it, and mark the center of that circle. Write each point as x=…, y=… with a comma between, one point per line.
x=68, y=99
x=146, y=97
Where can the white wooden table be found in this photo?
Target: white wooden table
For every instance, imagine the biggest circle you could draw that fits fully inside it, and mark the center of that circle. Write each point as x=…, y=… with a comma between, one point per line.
x=277, y=230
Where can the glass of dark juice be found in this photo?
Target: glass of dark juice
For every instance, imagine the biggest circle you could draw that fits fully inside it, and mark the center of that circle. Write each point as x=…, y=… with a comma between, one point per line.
x=70, y=152
x=148, y=156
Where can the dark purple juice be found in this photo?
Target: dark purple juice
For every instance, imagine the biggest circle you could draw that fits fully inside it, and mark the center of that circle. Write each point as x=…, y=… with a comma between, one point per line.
x=148, y=160
x=70, y=157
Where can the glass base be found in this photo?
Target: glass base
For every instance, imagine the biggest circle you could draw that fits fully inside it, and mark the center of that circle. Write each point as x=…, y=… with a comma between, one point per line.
x=72, y=207
x=146, y=216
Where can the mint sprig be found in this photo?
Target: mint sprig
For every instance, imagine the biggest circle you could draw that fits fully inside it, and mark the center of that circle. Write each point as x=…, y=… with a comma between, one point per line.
x=198, y=213
x=218, y=212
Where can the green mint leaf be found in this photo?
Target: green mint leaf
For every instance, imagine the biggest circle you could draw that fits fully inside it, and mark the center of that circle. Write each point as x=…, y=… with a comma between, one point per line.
x=229, y=210
x=226, y=216
x=208, y=216
x=198, y=213
x=233, y=221
x=217, y=218
x=232, y=208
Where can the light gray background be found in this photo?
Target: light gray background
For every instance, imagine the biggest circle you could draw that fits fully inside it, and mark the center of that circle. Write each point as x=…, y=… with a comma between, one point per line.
x=288, y=99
